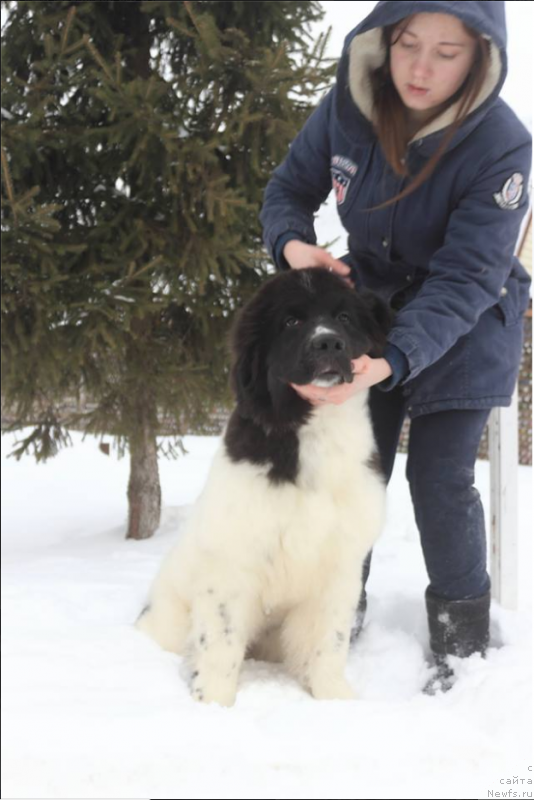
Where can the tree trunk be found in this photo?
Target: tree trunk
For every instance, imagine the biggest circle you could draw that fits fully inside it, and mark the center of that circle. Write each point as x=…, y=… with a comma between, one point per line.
x=144, y=491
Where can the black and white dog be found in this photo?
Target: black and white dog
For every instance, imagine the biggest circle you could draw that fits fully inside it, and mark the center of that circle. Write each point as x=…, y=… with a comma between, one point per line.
x=270, y=562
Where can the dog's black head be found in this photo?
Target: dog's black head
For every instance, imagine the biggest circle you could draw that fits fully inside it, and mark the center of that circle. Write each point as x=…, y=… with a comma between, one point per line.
x=302, y=326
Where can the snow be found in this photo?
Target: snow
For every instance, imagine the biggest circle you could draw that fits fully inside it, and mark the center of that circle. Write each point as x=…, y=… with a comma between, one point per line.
x=93, y=709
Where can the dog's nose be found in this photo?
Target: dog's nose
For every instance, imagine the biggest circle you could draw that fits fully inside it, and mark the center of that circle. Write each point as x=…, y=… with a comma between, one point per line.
x=328, y=343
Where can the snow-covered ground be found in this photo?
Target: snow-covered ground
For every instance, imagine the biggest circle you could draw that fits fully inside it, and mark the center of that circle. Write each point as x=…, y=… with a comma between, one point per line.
x=92, y=709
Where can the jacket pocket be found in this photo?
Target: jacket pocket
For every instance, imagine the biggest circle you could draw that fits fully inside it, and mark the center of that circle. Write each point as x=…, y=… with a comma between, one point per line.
x=509, y=306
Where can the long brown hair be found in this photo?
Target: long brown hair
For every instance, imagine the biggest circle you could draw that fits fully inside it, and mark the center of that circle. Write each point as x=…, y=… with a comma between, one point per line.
x=391, y=119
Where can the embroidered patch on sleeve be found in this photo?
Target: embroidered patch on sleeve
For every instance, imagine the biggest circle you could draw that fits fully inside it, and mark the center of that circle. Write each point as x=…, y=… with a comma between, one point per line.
x=342, y=170
x=511, y=192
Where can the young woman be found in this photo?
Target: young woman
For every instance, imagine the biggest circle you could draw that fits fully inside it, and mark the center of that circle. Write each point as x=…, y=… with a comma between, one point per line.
x=430, y=170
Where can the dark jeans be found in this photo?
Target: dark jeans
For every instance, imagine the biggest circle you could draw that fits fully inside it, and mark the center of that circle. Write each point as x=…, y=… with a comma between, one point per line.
x=440, y=469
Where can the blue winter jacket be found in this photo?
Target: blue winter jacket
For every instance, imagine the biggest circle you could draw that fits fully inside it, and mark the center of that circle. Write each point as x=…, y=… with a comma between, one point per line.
x=444, y=255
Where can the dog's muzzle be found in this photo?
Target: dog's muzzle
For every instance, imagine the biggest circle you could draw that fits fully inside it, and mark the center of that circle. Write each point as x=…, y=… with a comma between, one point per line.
x=331, y=361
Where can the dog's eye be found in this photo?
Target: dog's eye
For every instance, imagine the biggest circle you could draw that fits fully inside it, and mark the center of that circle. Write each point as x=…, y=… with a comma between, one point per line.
x=291, y=322
x=343, y=317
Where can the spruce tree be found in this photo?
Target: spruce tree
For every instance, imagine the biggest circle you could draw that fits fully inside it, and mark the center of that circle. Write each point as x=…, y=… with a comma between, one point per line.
x=137, y=141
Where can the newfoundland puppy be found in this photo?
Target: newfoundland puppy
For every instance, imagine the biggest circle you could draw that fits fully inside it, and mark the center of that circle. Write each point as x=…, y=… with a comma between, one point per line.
x=269, y=565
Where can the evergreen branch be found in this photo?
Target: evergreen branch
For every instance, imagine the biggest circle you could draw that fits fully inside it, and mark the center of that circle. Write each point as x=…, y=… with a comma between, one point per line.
x=207, y=31
x=73, y=47
x=118, y=68
x=49, y=45
x=68, y=23
x=173, y=23
x=156, y=261
x=98, y=58
x=46, y=439
x=192, y=17
x=8, y=183
x=149, y=87
x=28, y=196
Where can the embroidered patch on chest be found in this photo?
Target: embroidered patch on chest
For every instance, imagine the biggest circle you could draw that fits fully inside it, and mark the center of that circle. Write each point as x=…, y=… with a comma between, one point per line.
x=342, y=170
x=511, y=192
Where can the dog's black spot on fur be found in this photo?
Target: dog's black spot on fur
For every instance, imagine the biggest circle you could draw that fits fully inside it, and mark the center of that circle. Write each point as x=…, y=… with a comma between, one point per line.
x=247, y=441
x=145, y=610
x=225, y=617
x=194, y=675
x=375, y=464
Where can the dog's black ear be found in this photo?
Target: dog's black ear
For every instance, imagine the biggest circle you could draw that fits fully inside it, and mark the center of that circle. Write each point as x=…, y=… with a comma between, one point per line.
x=248, y=373
x=245, y=373
x=381, y=319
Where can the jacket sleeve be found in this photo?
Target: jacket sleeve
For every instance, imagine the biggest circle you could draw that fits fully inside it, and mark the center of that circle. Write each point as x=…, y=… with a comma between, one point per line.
x=300, y=184
x=468, y=272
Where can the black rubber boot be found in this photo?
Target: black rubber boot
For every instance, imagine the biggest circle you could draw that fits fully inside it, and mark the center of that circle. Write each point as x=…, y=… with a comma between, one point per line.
x=458, y=628
x=362, y=603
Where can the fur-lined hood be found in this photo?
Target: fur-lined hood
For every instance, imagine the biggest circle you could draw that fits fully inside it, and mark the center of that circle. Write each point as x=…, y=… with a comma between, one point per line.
x=363, y=52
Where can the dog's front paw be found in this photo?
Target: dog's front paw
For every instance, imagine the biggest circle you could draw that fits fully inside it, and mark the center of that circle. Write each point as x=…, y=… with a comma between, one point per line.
x=332, y=689
x=213, y=691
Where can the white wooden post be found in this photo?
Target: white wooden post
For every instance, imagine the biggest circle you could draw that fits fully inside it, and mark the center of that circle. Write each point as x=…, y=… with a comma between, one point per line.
x=504, y=473
x=503, y=453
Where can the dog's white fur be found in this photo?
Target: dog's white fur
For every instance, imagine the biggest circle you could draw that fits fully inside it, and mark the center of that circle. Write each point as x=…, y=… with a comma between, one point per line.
x=274, y=569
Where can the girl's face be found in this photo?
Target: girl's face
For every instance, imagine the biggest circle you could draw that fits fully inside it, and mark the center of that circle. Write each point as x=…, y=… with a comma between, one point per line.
x=429, y=61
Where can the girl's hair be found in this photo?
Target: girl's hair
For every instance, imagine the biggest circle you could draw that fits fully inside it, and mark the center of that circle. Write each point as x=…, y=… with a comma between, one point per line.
x=391, y=122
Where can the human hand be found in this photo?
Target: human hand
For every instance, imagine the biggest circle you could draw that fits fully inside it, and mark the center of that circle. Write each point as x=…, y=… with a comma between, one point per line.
x=300, y=255
x=367, y=372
